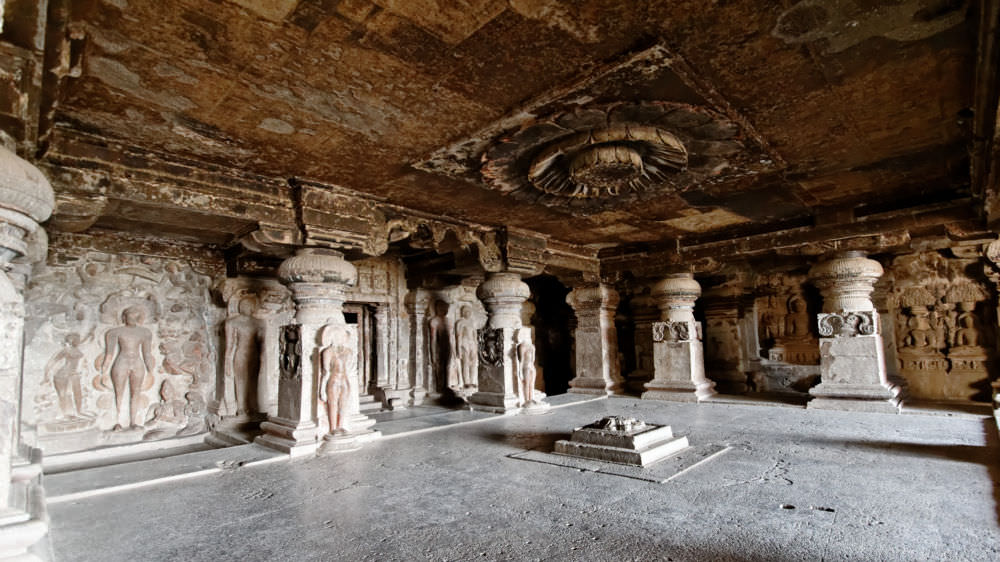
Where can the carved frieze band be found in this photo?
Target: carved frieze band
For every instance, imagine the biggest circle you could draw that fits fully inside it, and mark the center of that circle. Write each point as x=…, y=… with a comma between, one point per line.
x=847, y=324
x=675, y=331
x=491, y=346
x=290, y=349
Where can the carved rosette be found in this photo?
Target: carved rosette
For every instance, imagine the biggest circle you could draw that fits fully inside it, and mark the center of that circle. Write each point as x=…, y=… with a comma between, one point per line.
x=846, y=282
x=847, y=324
x=674, y=332
x=675, y=296
x=26, y=199
x=503, y=294
x=616, y=154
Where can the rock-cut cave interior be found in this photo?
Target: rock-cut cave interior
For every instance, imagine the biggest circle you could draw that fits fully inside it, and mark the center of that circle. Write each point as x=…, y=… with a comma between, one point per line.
x=499, y=280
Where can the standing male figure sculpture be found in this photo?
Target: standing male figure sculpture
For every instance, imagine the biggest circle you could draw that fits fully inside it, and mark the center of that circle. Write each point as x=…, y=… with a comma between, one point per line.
x=439, y=344
x=242, y=365
x=467, y=347
x=526, y=365
x=335, y=382
x=128, y=369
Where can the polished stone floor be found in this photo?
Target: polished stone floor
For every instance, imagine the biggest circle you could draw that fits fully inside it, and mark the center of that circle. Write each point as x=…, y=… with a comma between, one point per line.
x=780, y=484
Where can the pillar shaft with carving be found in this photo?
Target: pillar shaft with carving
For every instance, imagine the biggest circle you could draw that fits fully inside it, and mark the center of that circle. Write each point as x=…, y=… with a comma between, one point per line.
x=722, y=340
x=26, y=199
x=644, y=314
x=598, y=370
x=852, y=361
x=318, y=279
x=417, y=303
x=503, y=294
x=678, y=356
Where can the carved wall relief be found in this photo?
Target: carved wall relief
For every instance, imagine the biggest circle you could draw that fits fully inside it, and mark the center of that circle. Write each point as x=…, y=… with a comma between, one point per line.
x=942, y=321
x=453, y=319
x=785, y=326
x=120, y=348
x=491, y=346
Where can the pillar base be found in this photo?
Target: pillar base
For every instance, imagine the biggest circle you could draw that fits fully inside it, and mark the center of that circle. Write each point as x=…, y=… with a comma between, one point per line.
x=494, y=402
x=418, y=395
x=854, y=398
x=343, y=441
x=679, y=391
x=597, y=386
x=235, y=430
x=535, y=408
x=293, y=438
x=25, y=524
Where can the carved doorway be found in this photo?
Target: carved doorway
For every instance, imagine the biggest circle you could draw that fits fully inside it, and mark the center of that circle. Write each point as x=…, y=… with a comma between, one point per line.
x=553, y=322
x=363, y=316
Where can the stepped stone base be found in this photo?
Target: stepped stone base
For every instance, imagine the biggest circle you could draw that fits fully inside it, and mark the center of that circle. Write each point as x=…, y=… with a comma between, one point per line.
x=622, y=440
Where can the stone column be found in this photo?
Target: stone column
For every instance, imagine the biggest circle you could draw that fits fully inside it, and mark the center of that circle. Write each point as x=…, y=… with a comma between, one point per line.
x=417, y=303
x=318, y=279
x=852, y=361
x=723, y=345
x=26, y=199
x=597, y=368
x=644, y=313
x=678, y=361
x=503, y=294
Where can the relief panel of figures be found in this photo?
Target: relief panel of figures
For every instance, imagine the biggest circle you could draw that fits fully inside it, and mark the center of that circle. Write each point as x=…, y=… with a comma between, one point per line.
x=120, y=348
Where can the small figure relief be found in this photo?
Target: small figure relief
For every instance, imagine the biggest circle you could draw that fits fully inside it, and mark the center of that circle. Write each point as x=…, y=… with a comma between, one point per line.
x=526, y=372
x=439, y=343
x=919, y=335
x=128, y=358
x=173, y=416
x=242, y=362
x=491, y=346
x=467, y=346
x=335, y=385
x=797, y=320
x=290, y=350
x=65, y=372
x=966, y=334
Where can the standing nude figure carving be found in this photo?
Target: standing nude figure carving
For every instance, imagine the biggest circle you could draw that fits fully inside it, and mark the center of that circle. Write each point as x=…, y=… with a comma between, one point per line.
x=467, y=347
x=335, y=384
x=63, y=371
x=128, y=369
x=526, y=365
x=242, y=365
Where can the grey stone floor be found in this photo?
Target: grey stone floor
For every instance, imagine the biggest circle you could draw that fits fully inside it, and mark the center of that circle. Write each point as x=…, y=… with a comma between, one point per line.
x=863, y=487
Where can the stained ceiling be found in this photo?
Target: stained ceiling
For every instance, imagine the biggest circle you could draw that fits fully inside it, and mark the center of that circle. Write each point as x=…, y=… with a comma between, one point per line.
x=806, y=106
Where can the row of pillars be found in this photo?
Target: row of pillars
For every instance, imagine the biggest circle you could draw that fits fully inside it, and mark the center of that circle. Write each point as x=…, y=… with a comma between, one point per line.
x=852, y=365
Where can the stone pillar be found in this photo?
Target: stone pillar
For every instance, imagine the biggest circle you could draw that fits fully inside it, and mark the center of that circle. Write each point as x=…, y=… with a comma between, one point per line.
x=598, y=370
x=318, y=279
x=678, y=361
x=750, y=359
x=723, y=345
x=417, y=303
x=26, y=199
x=852, y=361
x=503, y=294
x=644, y=313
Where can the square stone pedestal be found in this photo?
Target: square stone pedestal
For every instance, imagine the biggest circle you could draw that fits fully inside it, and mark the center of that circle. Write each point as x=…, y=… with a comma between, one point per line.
x=852, y=367
x=622, y=440
x=678, y=364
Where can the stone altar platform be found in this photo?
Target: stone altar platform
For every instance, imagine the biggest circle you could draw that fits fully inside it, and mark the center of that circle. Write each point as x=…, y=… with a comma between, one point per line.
x=622, y=440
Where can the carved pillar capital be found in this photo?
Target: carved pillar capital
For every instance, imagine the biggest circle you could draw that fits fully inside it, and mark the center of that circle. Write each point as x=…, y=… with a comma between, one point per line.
x=675, y=296
x=319, y=279
x=503, y=294
x=26, y=199
x=592, y=298
x=846, y=281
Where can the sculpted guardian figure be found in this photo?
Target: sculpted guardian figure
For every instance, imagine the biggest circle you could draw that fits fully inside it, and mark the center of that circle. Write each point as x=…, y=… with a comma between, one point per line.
x=439, y=343
x=335, y=382
x=468, y=348
x=242, y=365
x=128, y=369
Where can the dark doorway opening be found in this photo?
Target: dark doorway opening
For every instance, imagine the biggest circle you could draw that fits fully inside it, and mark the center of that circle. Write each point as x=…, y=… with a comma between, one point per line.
x=553, y=322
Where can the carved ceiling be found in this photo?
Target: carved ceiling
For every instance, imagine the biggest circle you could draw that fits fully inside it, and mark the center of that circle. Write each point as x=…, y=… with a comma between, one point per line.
x=592, y=122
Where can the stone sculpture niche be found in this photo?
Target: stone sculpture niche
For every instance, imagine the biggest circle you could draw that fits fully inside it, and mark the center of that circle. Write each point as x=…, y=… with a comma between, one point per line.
x=128, y=361
x=786, y=335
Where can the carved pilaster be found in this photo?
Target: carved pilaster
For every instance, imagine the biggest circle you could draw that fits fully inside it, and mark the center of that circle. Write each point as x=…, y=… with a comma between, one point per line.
x=417, y=303
x=318, y=279
x=852, y=364
x=644, y=313
x=723, y=346
x=598, y=370
x=503, y=294
x=26, y=199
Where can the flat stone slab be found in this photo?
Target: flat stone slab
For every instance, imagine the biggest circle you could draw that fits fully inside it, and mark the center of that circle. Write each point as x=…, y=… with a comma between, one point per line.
x=661, y=472
x=69, y=486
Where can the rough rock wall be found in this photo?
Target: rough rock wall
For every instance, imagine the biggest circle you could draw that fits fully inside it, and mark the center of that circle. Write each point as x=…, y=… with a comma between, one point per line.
x=122, y=339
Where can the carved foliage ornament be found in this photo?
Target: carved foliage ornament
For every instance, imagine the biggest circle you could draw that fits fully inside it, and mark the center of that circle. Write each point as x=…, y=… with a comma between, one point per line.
x=671, y=331
x=491, y=346
x=847, y=324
